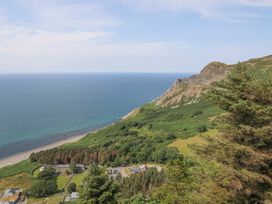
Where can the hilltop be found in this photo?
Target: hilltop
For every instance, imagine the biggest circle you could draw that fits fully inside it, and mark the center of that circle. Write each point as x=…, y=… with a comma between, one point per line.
x=188, y=90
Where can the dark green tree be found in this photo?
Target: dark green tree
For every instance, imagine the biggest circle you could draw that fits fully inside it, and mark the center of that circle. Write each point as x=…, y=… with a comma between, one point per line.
x=47, y=173
x=43, y=188
x=97, y=188
x=71, y=187
x=179, y=182
x=247, y=97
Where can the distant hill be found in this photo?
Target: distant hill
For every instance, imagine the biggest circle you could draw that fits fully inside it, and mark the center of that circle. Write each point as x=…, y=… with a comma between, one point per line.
x=188, y=90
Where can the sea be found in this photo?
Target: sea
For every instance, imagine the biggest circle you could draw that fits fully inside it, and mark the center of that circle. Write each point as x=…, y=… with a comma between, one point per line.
x=39, y=109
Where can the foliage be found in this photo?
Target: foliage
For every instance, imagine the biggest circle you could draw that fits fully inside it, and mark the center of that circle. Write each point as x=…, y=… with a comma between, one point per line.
x=247, y=96
x=48, y=173
x=141, y=183
x=143, y=138
x=97, y=187
x=179, y=182
x=43, y=188
x=46, y=183
x=199, y=112
x=202, y=128
x=73, y=167
x=71, y=187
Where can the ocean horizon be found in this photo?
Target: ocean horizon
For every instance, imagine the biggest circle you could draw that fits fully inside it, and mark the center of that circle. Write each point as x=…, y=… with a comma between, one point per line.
x=40, y=109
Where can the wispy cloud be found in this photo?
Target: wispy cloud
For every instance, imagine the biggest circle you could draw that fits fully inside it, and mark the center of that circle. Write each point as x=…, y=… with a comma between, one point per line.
x=82, y=35
x=208, y=9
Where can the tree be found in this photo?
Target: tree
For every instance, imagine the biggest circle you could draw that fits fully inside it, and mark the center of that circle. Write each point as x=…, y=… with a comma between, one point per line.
x=178, y=183
x=97, y=188
x=247, y=97
x=43, y=188
x=73, y=167
x=47, y=173
x=71, y=187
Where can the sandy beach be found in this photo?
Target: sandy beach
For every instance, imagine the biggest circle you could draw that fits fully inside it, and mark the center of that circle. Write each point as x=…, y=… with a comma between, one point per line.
x=25, y=155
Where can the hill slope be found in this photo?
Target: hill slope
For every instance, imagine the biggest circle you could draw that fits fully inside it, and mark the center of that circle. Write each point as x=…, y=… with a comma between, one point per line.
x=188, y=90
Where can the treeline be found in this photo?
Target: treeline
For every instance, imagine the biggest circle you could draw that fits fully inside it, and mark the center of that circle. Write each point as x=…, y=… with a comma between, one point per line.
x=72, y=155
x=129, y=149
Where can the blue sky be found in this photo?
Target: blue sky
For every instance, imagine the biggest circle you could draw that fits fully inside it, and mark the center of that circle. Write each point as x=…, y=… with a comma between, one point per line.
x=40, y=36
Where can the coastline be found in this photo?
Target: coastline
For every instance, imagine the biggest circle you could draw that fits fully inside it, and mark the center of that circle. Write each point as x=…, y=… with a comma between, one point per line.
x=25, y=155
x=18, y=157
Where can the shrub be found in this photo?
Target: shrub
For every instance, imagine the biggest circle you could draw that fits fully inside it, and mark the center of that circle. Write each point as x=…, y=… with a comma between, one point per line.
x=202, y=128
x=71, y=187
x=199, y=112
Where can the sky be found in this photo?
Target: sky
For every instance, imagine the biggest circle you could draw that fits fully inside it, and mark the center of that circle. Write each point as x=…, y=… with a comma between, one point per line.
x=69, y=36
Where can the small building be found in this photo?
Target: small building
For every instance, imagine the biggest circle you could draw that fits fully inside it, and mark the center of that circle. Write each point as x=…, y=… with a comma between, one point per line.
x=135, y=170
x=72, y=197
x=11, y=196
x=114, y=172
x=65, y=167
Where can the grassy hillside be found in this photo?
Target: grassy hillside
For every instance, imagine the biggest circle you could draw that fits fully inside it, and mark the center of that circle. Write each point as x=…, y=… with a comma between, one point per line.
x=182, y=121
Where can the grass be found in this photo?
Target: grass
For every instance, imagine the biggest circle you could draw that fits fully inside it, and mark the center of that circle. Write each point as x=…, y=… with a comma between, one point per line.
x=183, y=145
x=78, y=178
x=54, y=199
x=26, y=167
x=21, y=180
x=62, y=181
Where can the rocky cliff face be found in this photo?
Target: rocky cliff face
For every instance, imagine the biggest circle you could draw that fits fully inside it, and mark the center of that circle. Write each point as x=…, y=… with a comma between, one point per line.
x=188, y=90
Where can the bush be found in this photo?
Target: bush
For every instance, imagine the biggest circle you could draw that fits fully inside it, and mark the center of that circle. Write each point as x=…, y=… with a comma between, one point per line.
x=202, y=128
x=199, y=112
x=71, y=187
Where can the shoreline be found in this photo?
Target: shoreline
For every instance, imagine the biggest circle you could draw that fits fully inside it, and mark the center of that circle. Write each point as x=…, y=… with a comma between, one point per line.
x=25, y=155
x=21, y=156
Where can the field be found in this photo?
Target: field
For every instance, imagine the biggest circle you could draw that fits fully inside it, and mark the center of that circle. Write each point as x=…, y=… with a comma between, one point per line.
x=183, y=145
x=26, y=167
x=21, y=180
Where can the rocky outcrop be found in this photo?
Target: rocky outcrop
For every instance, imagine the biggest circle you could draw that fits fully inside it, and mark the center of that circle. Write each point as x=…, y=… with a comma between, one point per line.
x=188, y=90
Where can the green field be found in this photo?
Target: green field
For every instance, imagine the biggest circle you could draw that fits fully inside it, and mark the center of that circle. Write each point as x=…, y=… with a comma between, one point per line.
x=62, y=181
x=22, y=167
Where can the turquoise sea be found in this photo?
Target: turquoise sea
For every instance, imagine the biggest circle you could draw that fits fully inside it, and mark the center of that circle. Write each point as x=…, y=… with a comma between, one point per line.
x=36, y=110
